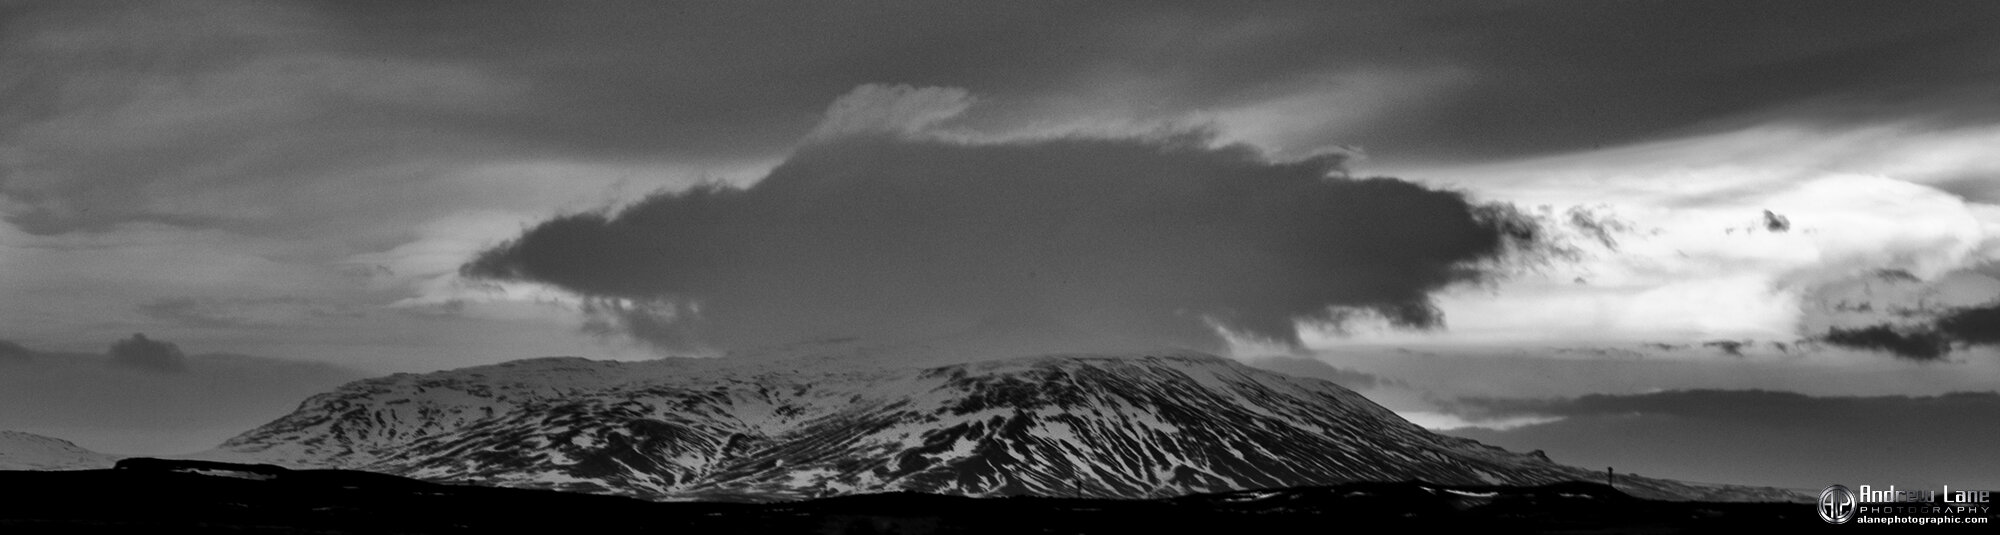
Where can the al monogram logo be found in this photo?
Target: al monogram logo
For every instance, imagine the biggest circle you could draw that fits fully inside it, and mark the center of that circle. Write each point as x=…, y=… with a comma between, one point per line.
x=1836, y=505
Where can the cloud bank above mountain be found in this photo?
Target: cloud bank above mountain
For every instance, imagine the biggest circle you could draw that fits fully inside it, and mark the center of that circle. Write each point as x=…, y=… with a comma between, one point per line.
x=1058, y=243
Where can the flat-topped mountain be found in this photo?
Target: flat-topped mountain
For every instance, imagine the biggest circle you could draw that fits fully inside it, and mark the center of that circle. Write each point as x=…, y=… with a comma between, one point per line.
x=1108, y=426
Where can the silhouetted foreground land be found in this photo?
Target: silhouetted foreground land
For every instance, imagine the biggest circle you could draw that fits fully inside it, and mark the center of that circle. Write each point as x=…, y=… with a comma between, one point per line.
x=153, y=496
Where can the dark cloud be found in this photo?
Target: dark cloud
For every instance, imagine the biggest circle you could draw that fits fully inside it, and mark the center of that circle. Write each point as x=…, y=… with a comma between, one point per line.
x=1732, y=348
x=1317, y=369
x=1763, y=437
x=1072, y=243
x=1973, y=325
x=1895, y=312
x=1932, y=340
x=1602, y=227
x=1919, y=345
x=148, y=354
x=1896, y=275
x=1776, y=223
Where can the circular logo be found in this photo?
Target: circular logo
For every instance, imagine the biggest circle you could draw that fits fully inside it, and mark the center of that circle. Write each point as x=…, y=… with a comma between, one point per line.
x=1836, y=505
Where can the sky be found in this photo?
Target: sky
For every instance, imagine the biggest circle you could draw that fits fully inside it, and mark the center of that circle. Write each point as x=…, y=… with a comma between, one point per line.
x=1494, y=217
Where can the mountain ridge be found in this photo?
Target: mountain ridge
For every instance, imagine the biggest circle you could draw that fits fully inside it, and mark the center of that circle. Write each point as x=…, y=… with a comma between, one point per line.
x=1088, y=425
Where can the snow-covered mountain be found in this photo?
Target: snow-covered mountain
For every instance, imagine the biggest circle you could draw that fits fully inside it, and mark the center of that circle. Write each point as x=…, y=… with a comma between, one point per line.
x=1100, y=426
x=29, y=451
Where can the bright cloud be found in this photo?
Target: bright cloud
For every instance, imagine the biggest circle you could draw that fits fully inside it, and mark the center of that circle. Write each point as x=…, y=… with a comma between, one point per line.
x=1695, y=260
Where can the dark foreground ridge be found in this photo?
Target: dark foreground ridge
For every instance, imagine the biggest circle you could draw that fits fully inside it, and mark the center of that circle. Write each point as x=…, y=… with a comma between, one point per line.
x=174, y=496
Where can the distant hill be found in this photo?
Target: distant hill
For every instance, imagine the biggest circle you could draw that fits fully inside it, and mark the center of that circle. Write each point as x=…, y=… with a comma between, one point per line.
x=29, y=451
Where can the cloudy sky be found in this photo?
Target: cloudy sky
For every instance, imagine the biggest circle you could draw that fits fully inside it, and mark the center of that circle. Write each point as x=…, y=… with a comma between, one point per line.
x=1546, y=220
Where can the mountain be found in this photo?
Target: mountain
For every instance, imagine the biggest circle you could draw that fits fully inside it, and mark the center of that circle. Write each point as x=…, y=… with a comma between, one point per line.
x=29, y=451
x=751, y=429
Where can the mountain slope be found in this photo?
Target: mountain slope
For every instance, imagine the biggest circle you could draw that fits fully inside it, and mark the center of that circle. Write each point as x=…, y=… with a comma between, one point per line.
x=28, y=451
x=1097, y=426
